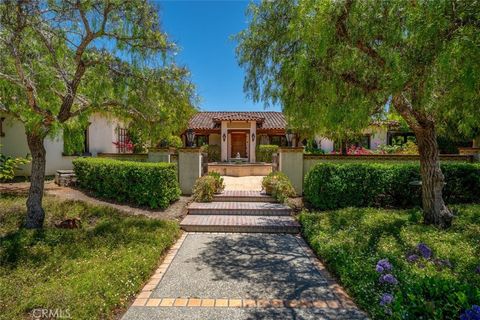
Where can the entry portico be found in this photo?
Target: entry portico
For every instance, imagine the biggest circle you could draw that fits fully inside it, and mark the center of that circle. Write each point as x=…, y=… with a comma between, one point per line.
x=238, y=133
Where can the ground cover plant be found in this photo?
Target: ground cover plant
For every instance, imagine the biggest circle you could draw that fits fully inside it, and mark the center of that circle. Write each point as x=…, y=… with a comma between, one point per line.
x=90, y=273
x=395, y=267
x=151, y=184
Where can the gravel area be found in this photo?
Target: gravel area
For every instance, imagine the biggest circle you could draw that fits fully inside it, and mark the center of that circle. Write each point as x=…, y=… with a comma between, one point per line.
x=175, y=211
x=247, y=266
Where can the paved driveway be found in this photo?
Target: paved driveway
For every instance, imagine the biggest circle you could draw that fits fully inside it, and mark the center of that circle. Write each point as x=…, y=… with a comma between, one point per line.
x=242, y=276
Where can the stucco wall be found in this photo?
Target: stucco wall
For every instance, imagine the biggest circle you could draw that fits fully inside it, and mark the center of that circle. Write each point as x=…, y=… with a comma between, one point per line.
x=101, y=135
x=214, y=139
x=14, y=144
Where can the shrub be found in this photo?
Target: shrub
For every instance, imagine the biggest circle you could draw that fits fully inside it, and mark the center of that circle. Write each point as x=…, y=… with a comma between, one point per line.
x=339, y=185
x=264, y=152
x=219, y=184
x=213, y=152
x=278, y=185
x=141, y=183
x=204, y=189
x=8, y=165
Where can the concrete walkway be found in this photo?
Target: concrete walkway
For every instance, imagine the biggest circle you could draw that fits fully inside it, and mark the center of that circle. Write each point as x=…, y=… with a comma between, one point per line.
x=242, y=276
x=248, y=183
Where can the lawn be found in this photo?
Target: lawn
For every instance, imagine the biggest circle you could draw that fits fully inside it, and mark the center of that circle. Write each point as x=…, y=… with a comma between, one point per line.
x=351, y=241
x=87, y=273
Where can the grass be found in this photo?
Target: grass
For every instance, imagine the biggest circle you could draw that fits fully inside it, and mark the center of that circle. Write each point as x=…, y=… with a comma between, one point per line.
x=352, y=240
x=91, y=272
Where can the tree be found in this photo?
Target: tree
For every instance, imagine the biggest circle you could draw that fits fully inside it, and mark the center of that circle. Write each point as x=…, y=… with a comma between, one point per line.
x=334, y=64
x=60, y=60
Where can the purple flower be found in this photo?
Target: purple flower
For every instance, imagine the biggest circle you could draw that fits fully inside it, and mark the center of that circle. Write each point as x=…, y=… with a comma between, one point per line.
x=478, y=270
x=413, y=258
x=442, y=263
x=471, y=314
x=387, y=298
x=424, y=250
x=383, y=265
x=388, y=278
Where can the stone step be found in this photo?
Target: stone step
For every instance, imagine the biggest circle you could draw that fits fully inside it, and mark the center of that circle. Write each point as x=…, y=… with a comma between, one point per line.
x=240, y=224
x=243, y=196
x=239, y=208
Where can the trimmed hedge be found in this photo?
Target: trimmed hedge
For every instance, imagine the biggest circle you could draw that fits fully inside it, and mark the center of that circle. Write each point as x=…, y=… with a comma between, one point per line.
x=264, y=152
x=151, y=184
x=339, y=185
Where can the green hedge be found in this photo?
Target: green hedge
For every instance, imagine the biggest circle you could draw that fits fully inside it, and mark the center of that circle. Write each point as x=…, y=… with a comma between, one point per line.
x=264, y=152
x=338, y=185
x=151, y=184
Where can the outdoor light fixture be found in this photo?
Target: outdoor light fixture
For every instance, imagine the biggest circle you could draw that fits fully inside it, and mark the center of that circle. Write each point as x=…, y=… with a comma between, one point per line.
x=289, y=136
x=190, y=137
x=224, y=137
x=253, y=137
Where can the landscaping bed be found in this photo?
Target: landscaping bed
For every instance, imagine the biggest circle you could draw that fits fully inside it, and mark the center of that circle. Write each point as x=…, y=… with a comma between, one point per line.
x=352, y=241
x=87, y=273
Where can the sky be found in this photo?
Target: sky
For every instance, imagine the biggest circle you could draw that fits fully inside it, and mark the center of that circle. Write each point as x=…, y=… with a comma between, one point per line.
x=202, y=30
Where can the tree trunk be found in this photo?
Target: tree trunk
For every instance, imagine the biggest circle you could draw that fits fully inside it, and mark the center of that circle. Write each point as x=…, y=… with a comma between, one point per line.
x=35, y=212
x=434, y=208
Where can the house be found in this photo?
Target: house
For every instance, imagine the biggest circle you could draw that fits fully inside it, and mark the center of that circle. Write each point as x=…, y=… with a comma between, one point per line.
x=101, y=136
x=238, y=133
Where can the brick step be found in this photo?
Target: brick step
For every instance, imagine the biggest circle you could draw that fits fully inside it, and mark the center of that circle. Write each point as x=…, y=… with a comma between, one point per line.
x=243, y=196
x=239, y=224
x=239, y=208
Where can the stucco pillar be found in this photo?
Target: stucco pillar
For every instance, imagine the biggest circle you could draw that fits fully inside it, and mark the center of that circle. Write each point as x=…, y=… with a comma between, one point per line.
x=189, y=168
x=253, y=140
x=224, y=141
x=159, y=155
x=291, y=164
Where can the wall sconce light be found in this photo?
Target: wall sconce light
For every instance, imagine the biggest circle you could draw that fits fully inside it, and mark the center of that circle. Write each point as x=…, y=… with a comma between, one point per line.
x=224, y=137
x=253, y=137
x=190, y=137
x=289, y=136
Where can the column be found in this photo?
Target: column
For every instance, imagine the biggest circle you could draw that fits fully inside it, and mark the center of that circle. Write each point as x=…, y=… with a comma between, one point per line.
x=253, y=140
x=224, y=141
x=291, y=164
x=189, y=168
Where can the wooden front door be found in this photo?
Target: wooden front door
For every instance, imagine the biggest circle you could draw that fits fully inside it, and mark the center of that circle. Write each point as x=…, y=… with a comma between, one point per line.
x=239, y=144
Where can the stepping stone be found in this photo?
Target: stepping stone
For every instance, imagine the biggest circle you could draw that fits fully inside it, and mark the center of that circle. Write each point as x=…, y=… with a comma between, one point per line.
x=243, y=196
x=245, y=223
x=239, y=208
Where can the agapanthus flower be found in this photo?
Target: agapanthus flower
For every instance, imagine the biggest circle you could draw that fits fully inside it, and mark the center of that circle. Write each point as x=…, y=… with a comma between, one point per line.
x=388, y=278
x=478, y=270
x=387, y=298
x=471, y=314
x=383, y=265
x=424, y=250
x=412, y=258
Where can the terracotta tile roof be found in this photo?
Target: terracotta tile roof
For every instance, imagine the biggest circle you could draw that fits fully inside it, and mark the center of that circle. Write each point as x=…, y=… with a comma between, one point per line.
x=267, y=119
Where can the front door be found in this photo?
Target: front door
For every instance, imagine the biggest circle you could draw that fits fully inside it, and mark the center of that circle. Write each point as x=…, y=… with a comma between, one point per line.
x=239, y=145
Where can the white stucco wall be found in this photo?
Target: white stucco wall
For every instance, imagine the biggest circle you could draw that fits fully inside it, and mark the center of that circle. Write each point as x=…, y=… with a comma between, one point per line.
x=14, y=143
x=102, y=133
x=378, y=137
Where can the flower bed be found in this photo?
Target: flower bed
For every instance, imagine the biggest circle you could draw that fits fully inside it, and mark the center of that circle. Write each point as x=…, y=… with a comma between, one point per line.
x=151, y=184
x=394, y=266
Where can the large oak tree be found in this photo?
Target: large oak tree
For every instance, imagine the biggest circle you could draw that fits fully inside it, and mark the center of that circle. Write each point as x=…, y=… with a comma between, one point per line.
x=334, y=64
x=60, y=60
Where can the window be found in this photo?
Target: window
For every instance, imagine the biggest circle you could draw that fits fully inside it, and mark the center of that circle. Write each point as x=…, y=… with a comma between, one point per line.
x=280, y=141
x=201, y=140
x=123, y=143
